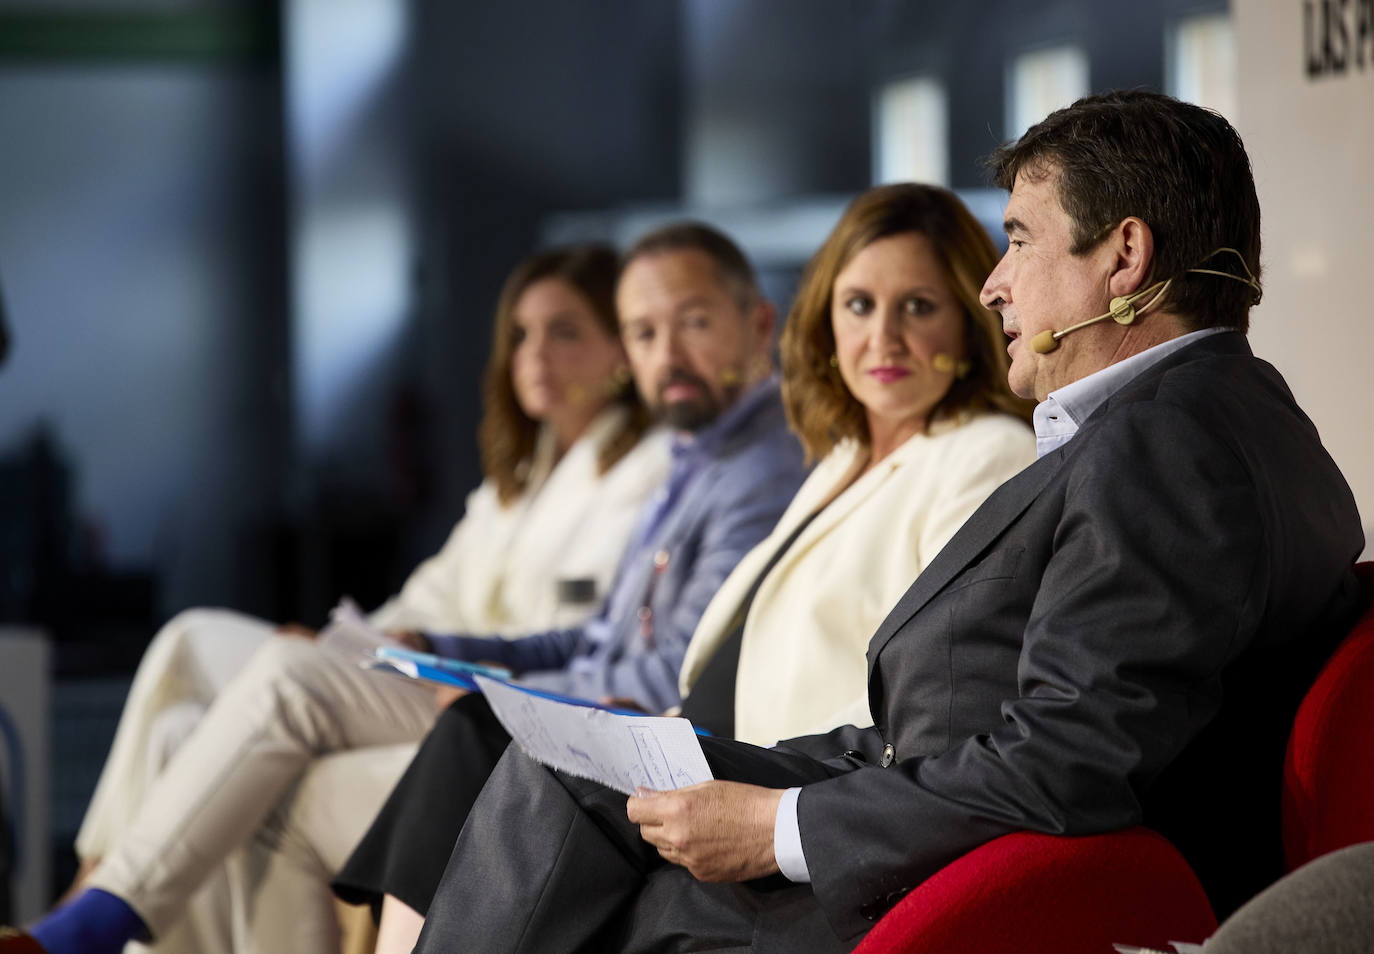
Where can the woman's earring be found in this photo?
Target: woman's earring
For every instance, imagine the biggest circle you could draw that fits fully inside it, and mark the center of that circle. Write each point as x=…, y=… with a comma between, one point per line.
x=948, y=364
x=834, y=360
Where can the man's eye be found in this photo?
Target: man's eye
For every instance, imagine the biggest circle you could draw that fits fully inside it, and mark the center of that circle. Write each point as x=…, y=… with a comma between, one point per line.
x=1016, y=243
x=700, y=322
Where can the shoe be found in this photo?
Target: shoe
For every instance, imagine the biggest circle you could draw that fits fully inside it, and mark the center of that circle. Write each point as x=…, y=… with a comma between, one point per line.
x=17, y=942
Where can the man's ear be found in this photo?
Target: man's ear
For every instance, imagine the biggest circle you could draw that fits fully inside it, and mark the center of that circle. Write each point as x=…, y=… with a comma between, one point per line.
x=1133, y=245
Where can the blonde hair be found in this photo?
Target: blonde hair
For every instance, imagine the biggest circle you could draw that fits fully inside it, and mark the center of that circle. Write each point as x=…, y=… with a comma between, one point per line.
x=506, y=435
x=819, y=406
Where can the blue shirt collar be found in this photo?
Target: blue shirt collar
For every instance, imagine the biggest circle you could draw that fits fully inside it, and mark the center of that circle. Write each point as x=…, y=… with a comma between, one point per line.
x=1058, y=417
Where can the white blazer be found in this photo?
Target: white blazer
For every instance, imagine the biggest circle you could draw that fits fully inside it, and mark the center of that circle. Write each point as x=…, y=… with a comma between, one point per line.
x=498, y=572
x=802, y=667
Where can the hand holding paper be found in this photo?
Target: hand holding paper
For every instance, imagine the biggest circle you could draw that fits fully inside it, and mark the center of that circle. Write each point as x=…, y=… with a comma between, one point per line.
x=719, y=831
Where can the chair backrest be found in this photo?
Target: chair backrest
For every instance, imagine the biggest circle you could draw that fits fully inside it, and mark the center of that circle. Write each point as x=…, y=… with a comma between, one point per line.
x=1328, y=773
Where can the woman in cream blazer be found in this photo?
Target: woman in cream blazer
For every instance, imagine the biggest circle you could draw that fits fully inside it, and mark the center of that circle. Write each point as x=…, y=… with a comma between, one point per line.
x=568, y=461
x=801, y=663
x=895, y=375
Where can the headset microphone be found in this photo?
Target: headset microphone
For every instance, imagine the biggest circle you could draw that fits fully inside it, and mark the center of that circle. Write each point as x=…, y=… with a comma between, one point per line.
x=1122, y=311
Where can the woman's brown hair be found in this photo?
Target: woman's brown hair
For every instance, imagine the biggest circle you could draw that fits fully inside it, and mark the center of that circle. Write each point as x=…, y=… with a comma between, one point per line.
x=506, y=436
x=819, y=406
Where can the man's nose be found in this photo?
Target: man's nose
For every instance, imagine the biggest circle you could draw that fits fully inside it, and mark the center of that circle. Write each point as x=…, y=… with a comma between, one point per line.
x=993, y=294
x=670, y=347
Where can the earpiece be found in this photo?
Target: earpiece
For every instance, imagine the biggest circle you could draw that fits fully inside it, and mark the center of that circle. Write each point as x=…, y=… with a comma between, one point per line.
x=1122, y=309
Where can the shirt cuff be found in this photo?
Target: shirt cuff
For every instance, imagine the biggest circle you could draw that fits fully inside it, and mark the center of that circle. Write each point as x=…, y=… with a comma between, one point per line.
x=787, y=846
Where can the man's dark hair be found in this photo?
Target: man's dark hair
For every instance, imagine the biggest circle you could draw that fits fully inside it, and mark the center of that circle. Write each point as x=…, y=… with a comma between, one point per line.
x=1178, y=167
x=736, y=274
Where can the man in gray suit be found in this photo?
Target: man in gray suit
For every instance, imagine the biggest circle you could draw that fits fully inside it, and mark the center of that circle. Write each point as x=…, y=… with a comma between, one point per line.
x=1118, y=636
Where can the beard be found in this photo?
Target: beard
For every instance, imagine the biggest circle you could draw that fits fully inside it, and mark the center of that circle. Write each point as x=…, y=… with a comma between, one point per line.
x=697, y=413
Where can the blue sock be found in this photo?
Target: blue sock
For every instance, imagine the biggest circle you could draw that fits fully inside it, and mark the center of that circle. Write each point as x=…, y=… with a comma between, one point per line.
x=94, y=922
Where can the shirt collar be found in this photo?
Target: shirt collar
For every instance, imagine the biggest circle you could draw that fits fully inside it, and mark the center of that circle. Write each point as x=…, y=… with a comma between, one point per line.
x=1058, y=417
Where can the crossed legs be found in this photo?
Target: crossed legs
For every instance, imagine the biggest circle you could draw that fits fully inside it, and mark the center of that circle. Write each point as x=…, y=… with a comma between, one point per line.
x=292, y=703
x=548, y=862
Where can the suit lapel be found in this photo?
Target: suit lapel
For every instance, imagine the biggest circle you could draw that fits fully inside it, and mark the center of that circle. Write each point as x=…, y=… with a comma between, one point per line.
x=996, y=514
x=834, y=513
x=1010, y=500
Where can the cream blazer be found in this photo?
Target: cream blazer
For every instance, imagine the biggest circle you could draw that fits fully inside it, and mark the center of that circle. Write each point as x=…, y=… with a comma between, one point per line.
x=498, y=572
x=802, y=666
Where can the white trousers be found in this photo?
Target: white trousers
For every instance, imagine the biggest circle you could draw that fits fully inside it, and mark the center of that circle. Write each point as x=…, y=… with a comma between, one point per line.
x=185, y=666
x=279, y=882
x=240, y=782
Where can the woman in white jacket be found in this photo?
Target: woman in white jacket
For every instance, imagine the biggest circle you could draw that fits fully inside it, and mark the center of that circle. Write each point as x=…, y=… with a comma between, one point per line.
x=896, y=377
x=568, y=460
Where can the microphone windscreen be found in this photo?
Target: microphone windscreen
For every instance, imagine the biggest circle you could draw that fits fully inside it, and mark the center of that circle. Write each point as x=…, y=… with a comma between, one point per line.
x=1044, y=343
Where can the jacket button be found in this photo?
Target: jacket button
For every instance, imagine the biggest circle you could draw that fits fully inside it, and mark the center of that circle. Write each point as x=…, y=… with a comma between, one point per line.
x=889, y=755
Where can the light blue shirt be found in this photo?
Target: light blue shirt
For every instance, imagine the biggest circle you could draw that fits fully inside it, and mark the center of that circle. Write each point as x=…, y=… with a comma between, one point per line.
x=1057, y=419
x=691, y=452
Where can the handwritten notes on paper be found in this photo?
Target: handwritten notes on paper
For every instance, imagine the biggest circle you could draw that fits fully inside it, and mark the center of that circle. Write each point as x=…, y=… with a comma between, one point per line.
x=621, y=752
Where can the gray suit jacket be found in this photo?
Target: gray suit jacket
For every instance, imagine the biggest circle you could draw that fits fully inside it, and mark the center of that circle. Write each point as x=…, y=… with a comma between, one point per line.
x=1119, y=635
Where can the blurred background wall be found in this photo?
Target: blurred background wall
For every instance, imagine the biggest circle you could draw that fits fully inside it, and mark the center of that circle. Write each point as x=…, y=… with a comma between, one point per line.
x=249, y=250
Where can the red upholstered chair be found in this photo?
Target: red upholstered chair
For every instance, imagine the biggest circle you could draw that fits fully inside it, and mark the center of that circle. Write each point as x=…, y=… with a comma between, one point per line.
x=1046, y=894
x=1328, y=775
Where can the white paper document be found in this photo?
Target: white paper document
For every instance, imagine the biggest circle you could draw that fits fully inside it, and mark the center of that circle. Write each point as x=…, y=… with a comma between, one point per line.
x=621, y=752
x=350, y=633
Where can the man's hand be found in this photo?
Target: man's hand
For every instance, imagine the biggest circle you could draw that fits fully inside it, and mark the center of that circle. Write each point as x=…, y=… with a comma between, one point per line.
x=719, y=831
